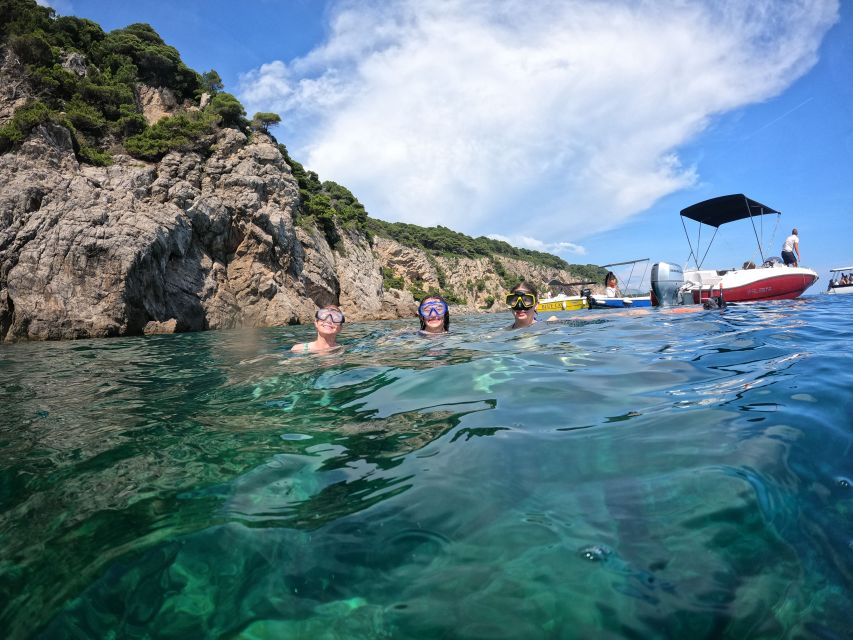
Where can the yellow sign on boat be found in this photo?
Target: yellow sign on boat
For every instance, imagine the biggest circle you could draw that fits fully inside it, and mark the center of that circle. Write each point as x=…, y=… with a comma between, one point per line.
x=568, y=303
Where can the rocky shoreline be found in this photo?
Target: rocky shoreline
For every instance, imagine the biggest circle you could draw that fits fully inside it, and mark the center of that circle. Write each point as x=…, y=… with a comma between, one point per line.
x=193, y=243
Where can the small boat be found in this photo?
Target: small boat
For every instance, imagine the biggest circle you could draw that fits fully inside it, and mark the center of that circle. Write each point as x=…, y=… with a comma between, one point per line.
x=630, y=298
x=603, y=302
x=562, y=303
x=835, y=286
x=565, y=300
x=771, y=280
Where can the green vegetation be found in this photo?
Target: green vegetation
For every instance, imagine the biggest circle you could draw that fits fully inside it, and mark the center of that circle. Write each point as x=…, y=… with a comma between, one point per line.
x=589, y=272
x=326, y=204
x=85, y=79
x=182, y=132
x=25, y=119
x=262, y=121
x=390, y=280
x=443, y=241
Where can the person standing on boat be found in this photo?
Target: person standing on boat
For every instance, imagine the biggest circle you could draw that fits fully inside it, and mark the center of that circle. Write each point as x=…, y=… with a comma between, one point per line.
x=522, y=299
x=792, y=244
x=610, y=284
x=328, y=321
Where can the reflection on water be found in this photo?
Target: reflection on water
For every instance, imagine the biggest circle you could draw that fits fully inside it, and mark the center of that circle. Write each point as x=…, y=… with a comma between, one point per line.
x=655, y=475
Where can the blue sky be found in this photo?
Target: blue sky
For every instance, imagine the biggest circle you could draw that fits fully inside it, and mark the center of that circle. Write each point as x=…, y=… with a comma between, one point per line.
x=580, y=128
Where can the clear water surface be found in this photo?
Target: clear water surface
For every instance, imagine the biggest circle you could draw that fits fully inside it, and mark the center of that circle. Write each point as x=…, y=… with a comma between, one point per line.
x=650, y=476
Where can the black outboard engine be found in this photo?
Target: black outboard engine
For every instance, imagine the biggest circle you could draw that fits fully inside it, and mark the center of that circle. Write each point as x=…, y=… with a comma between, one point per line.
x=667, y=280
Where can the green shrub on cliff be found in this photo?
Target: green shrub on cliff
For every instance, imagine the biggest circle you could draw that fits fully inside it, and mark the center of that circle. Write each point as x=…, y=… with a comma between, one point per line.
x=325, y=204
x=263, y=120
x=390, y=280
x=32, y=49
x=158, y=64
x=228, y=109
x=348, y=209
x=183, y=132
x=25, y=119
x=211, y=82
x=23, y=16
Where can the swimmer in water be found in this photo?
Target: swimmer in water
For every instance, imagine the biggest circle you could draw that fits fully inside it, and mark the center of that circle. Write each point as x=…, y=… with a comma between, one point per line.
x=328, y=321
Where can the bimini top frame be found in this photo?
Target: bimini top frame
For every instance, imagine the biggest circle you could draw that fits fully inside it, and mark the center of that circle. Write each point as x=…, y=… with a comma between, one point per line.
x=722, y=210
x=633, y=263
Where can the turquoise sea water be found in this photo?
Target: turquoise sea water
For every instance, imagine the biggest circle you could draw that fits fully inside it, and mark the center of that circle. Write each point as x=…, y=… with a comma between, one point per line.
x=652, y=476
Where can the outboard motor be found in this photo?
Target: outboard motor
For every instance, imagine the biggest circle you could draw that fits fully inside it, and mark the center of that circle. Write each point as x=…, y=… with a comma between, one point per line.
x=667, y=280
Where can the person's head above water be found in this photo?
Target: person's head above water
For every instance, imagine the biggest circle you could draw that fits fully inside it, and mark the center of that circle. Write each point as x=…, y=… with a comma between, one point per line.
x=434, y=314
x=328, y=321
x=522, y=299
x=329, y=317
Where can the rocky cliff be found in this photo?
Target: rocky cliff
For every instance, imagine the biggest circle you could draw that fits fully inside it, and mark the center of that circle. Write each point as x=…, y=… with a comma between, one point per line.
x=196, y=242
x=192, y=243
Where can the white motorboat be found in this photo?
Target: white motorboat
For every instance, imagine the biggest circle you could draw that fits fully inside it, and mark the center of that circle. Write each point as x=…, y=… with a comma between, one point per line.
x=770, y=281
x=835, y=281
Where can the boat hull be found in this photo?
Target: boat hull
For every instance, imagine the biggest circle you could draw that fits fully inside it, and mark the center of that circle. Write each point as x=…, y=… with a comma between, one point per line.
x=750, y=285
x=673, y=286
x=840, y=290
x=602, y=302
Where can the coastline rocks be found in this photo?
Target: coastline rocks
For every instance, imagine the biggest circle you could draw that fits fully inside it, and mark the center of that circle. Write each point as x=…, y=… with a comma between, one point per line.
x=157, y=328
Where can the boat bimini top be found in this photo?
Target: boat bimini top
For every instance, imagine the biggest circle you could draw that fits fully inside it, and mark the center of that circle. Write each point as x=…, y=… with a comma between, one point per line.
x=722, y=210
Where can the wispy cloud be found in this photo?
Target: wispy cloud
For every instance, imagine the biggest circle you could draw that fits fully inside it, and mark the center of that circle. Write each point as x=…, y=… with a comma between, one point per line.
x=547, y=120
x=526, y=242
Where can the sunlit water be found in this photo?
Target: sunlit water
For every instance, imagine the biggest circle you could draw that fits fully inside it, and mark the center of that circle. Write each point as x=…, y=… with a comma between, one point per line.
x=680, y=476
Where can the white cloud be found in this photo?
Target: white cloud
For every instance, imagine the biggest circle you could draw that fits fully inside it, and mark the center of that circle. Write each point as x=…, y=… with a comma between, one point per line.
x=552, y=119
x=526, y=242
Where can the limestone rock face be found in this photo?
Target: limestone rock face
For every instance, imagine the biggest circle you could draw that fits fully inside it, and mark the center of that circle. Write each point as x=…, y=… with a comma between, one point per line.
x=189, y=243
x=410, y=263
x=156, y=102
